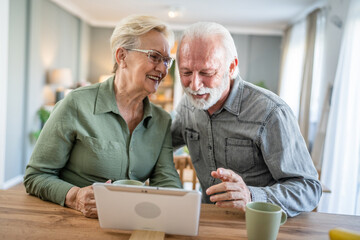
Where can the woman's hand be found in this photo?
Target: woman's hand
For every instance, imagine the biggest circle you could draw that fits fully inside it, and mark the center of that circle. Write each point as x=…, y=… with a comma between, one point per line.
x=83, y=200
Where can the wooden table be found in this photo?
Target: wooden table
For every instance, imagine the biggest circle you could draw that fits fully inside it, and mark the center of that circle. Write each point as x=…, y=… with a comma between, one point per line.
x=27, y=217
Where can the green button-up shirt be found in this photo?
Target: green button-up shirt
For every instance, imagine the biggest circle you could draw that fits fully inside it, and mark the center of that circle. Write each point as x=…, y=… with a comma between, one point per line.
x=86, y=140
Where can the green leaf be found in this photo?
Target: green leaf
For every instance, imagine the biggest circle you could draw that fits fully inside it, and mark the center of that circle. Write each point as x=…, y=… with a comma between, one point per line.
x=43, y=115
x=261, y=84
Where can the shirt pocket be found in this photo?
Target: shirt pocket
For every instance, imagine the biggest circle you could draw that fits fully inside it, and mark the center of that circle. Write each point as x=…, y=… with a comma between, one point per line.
x=99, y=145
x=99, y=157
x=193, y=144
x=239, y=154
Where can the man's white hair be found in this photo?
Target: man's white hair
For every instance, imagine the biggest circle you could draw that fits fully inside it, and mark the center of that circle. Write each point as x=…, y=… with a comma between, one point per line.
x=205, y=30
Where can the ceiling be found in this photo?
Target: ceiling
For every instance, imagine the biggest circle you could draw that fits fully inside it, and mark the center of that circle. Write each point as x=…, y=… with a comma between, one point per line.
x=242, y=16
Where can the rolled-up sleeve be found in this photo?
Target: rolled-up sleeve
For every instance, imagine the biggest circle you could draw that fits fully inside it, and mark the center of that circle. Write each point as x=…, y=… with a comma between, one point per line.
x=285, y=153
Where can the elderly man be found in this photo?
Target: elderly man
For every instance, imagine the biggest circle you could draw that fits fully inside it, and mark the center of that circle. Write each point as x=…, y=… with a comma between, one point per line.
x=244, y=141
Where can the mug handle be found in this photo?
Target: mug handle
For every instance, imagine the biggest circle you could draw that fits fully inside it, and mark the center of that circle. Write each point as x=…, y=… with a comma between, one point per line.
x=283, y=217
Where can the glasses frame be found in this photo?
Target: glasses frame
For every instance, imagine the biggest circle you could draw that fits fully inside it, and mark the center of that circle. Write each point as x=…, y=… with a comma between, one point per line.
x=168, y=61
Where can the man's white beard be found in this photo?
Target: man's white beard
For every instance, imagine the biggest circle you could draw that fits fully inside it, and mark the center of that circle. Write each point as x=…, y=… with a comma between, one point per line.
x=214, y=94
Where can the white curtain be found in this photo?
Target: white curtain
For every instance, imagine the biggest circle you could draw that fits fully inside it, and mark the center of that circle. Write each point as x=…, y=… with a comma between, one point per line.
x=308, y=103
x=301, y=71
x=293, y=65
x=341, y=162
x=317, y=76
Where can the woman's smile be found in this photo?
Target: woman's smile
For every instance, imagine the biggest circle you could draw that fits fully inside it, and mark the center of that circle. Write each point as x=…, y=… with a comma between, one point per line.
x=154, y=77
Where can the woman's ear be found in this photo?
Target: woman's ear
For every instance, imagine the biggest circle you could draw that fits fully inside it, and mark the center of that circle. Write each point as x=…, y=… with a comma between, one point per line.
x=120, y=57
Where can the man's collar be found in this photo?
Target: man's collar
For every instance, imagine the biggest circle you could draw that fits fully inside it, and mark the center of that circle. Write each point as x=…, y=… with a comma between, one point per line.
x=233, y=102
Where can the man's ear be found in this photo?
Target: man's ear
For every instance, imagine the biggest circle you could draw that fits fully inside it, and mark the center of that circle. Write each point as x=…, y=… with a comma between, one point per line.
x=120, y=57
x=233, y=66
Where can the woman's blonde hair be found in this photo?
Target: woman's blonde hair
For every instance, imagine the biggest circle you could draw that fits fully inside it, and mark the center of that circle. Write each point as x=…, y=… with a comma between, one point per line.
x=127, y=32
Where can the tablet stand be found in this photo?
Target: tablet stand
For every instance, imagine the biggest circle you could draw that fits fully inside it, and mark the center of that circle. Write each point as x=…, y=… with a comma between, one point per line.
x=148, y=235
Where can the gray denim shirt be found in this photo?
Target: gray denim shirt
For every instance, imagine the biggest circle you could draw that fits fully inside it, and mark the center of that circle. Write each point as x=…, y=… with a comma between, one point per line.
x=256, y=135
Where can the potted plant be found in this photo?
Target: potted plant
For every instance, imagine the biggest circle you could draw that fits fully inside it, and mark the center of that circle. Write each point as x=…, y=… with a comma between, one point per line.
x=43, y=115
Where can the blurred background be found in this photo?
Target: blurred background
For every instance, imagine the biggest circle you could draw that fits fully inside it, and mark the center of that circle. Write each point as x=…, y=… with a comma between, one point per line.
x=306, y=51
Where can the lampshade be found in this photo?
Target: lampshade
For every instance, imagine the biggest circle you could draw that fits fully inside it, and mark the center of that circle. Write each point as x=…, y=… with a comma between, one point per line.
x=61, y=77
x=104, y=77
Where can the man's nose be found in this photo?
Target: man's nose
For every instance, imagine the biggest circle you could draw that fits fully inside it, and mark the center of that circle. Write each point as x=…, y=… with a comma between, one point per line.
x=195, y=83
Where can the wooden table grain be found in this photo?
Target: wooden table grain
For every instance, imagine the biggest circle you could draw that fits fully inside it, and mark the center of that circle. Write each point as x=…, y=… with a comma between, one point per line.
x=27, y=217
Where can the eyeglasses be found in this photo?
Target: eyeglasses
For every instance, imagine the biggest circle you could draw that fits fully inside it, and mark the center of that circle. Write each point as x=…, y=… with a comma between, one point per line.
x=155, y=57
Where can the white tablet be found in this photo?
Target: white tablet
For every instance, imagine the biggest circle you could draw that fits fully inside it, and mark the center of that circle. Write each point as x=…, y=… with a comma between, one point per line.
x=169, y=210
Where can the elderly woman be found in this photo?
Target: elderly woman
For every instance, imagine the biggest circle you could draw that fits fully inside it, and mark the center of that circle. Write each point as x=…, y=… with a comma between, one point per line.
x=110, y=130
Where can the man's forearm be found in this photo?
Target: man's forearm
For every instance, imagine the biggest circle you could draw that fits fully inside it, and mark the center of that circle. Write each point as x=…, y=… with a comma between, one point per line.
x=293, y=196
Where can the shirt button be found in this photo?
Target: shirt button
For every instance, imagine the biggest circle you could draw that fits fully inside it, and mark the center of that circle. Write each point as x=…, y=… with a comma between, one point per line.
x=210, y=147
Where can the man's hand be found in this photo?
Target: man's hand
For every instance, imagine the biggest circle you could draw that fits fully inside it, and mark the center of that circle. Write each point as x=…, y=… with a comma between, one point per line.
x=83, y=200
x=232, y=192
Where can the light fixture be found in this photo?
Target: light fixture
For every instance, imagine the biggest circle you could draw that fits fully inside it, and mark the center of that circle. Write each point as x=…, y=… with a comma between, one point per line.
x=175, y=12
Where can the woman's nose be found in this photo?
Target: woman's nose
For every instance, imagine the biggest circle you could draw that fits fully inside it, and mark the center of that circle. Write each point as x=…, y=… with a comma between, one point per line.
x=162, y=68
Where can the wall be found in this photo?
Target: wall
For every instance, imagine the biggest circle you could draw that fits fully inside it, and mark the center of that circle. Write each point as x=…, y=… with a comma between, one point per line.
x=264, y=60
x=42, y=37
x=242, y=43
x=259, y=58
x=4, y=32
x=100, y=53
x=84, y=55
x=16, y=89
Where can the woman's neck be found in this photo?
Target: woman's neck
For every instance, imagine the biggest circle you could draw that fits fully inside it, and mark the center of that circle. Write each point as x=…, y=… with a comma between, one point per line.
x=129, y=103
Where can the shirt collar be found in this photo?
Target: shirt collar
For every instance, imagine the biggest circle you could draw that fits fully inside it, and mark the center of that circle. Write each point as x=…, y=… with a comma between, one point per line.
x=233, y=102
x=147, y=112
x=106, y=101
